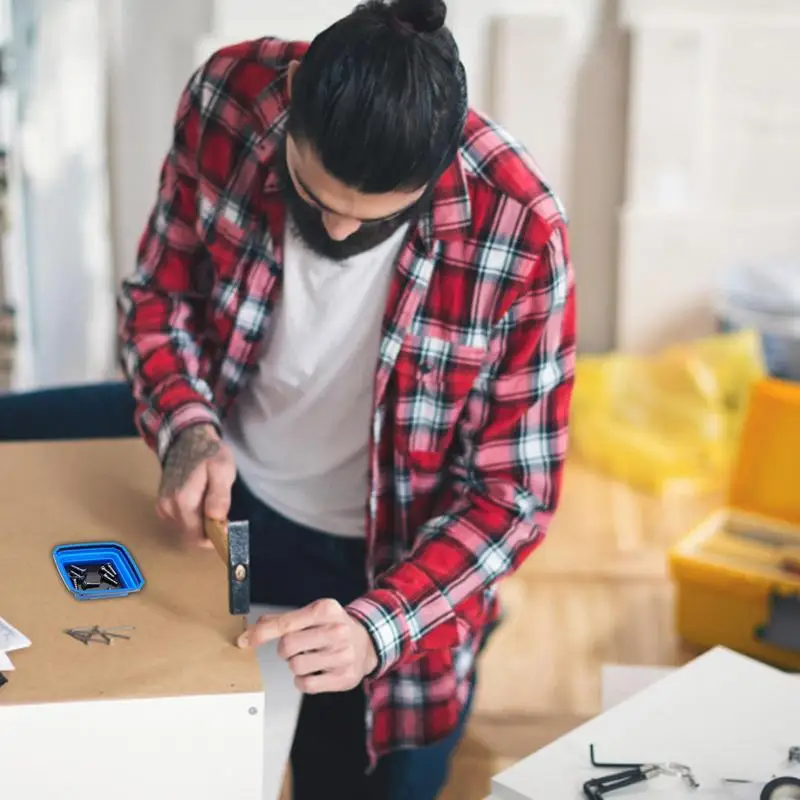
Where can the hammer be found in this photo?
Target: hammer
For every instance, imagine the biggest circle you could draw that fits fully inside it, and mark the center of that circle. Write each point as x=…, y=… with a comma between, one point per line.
x=231, y=540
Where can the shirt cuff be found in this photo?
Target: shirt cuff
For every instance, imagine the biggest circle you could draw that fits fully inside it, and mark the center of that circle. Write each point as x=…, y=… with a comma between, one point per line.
x=179, y=420
x=382, y=612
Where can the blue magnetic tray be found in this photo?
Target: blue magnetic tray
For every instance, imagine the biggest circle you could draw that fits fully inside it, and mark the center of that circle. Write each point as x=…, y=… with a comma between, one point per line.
x=86, y=554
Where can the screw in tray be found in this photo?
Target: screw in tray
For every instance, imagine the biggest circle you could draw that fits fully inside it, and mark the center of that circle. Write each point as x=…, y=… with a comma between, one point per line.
x=94, y=576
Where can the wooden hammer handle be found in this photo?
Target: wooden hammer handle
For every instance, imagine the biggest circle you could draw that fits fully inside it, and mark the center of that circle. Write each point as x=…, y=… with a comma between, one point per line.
x=217, y=531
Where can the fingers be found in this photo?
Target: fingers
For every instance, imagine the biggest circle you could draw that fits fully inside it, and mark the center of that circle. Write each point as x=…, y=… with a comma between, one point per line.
x=321, y=661
x=321, y=638
x=221, y=476
x=184, y=506
x=198, y=468
x=267, y=629
x=204, y=491
x=341, y=679
x=319, y=643
x=189, y=517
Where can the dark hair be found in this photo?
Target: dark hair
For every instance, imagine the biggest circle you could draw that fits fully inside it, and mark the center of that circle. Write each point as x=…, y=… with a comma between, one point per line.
x=381, y=96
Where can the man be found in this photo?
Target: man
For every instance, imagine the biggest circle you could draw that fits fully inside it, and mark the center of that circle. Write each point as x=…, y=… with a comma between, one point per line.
x=352, y=322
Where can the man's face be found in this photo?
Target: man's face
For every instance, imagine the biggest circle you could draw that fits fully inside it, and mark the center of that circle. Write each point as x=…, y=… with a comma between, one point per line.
x=333, y=220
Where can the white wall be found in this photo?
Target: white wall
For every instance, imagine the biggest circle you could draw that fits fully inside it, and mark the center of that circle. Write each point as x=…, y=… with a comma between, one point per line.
x=589, y=169
x=562, y=87
x=151, y=56
x=713, y=171
x=590, y=177
x=578, y=97
x=63, y=164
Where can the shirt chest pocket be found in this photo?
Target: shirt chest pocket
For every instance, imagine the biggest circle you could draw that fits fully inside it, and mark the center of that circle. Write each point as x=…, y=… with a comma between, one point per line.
x=433, y=380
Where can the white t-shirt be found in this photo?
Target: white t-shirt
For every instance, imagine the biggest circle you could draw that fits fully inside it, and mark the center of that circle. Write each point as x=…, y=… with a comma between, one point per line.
x=300, y=431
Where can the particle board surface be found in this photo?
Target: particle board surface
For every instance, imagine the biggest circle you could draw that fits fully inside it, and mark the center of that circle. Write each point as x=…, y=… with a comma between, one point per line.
x=57, y=493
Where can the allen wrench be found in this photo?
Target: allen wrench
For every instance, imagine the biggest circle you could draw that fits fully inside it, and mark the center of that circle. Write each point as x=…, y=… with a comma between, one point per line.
x=631, y=774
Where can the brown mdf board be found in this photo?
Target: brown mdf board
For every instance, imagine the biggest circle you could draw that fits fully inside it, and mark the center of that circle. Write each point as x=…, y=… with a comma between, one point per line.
x=184, y=638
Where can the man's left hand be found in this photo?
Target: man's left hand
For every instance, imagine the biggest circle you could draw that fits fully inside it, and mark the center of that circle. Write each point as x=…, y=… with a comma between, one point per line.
x=327, y=650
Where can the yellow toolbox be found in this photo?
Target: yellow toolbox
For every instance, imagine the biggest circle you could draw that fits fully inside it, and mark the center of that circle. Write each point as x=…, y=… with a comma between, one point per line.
x=737, y=575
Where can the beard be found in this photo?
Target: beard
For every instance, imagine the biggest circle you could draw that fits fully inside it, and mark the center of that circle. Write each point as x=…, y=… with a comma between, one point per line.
x=306, y=221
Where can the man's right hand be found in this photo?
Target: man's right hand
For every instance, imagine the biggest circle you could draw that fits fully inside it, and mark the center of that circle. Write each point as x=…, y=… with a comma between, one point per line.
x=196, y=481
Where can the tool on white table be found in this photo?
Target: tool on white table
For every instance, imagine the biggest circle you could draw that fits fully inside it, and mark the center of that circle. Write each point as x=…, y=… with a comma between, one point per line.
x=783, y=788
x=631, y=774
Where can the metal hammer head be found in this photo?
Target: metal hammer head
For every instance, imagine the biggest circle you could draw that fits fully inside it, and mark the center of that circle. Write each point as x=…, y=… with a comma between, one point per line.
x=232, y=543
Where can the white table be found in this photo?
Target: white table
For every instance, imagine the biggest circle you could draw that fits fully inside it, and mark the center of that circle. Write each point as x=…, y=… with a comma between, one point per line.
x=723, y=715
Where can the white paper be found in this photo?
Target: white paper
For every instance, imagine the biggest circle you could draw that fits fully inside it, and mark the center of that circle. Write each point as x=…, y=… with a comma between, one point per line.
x=11, y=638
x=5, y=663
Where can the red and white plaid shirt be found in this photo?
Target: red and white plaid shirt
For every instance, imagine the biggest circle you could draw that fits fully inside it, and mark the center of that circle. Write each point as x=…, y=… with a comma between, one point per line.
x=472, y=387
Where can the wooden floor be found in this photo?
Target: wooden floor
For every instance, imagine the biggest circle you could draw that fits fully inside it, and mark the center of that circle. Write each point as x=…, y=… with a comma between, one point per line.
x=597, y=591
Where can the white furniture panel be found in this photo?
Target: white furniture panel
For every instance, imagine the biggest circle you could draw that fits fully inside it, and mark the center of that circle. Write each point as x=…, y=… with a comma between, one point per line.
x=281, y=708
x=723, y=715
x=202, y=748
x=713, y=175
x=534, y=101
x=668, y=90
x=619, y=682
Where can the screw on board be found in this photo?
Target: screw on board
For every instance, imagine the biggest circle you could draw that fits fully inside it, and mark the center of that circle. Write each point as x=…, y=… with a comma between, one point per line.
x=106, y=635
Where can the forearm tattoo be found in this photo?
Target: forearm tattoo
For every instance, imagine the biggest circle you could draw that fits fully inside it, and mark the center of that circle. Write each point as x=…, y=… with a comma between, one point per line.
x=189, y=450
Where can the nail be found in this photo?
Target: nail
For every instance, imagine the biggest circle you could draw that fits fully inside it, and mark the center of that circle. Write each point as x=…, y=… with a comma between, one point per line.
x=243, y=641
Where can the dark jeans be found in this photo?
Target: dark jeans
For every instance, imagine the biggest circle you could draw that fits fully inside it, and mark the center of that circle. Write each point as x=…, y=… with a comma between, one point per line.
x=291, y=565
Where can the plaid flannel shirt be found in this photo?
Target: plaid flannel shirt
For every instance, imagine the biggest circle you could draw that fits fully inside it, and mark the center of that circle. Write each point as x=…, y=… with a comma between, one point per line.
x=472, y=387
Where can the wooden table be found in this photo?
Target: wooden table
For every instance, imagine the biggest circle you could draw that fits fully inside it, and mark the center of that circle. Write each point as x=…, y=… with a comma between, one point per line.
x=175, y=711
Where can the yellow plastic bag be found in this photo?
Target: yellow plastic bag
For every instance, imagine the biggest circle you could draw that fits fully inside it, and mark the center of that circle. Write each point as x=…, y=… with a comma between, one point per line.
x=667, y=423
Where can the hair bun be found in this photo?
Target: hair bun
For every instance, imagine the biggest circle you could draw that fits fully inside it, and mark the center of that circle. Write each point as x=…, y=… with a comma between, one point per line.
x=424, y=16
